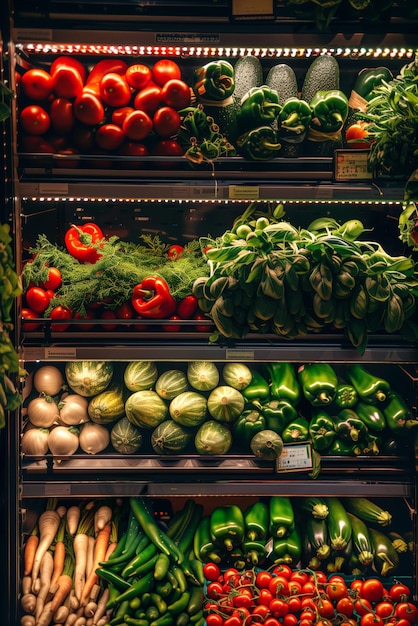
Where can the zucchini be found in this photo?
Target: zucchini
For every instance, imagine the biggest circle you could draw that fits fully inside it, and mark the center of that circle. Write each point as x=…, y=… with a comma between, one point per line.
x=398, y=542
x=248, y=73
x=282, y=79
x=361, y=540
x=386, y=559
x=323, y=74
x=282, y=516
x=316, y=506
x=368, y=511
x=339, y=524
x=317, y=531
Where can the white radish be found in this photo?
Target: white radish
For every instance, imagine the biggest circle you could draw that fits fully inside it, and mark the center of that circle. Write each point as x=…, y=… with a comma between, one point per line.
x=28, y=603
x=73, y=517
x=102, y=516
x=61, y=614
x=26, y=584
x=101, y=606
x=90, y=609
x=46, y=616
x=46, y=568
x=27, y=620
x=48, y=524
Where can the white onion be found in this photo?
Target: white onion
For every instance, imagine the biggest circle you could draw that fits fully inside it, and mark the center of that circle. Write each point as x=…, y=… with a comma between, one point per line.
x=48, y=379
x=43, y=412
x=35, y=441
x=63, y=440
x=94, y=438
x=73, y=410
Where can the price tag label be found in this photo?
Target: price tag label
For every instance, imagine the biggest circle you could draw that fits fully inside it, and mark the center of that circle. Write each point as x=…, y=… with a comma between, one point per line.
x=252, y=7
x=295, y=457
x=243, y=192
x=351, y=165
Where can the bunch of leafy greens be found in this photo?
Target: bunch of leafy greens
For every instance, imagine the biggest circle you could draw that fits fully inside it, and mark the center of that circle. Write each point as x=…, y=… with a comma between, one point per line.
x=111, y=279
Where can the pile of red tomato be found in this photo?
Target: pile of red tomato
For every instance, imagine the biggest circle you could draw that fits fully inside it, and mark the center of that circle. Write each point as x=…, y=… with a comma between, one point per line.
x=115, y=108
x=287, y=597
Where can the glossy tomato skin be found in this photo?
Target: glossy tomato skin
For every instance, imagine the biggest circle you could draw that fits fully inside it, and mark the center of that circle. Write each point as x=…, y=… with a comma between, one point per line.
x=166, y=121
x=336, y=590
x=54, y=279
x=372, y=590
x=202, y=327
x=214, y=590
x=34, y=120
x=165, y=70
x=363, y=606
x=282, y=570
x=109, y=137
x=176, y=93
x=62, y=116
x=60, y=313
x=172, y=328
x=167, y=147
x=114, y=90
x=211, y=571
x=28, y=314
x=134, y=149
x=119, y=114
x=36, y=84
x=88, y=109
x=408, y=611
x=290, y=620
x=278, y=607
x=137, y=125
x=138, y=76
x=399, y=592
x=262, y=579
x=345, y=606
x=148, y=99
x=371, y=619
x=384, y=609
x=67, y=82
x=187, y=307
x=356, y=137
x=68, y=61
x=214, y=619
x=37, y=299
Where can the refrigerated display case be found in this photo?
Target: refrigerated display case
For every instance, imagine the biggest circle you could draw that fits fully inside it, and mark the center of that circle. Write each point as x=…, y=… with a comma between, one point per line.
x=177, y=201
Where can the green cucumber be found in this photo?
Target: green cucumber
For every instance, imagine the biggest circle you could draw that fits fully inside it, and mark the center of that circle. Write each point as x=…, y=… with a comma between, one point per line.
x=282, y=79
x=323, y=74
x=248, y=73
x=339, y=524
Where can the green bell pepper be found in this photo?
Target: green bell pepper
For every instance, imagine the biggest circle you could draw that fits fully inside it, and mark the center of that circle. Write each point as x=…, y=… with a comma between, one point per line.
x=227, y=526
x=319, y=383
x=259, y=144
x=368, y=79
x=329, y=111
x=370, y=388
x=281, y=516
x=214, y=81
x=371, y=444
x=345, y=397
x=236, y=558
x=349, y=426
x=287, y=550
x=321, y=429
x=284, y=383
x=397, y=413
x=343, y=448
x=294, y=118
x=256, y=518
x=255, y=552
x=371, y=415
x=203, y=546
x=259, y=107
x=278, y=414
x=258, y=391
x=297, y=430
x=248, y=424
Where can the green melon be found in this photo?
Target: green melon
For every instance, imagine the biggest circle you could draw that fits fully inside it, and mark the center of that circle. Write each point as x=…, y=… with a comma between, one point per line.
x=237, y=375
x=225, y=404
x=145, y=409
x=170, y=437
x=107, y=406
x=202, y=375
x=188, y=408
x=125, y=437
x=171, y=383
x=213, y=438
x=88, y=378
x=139, y=375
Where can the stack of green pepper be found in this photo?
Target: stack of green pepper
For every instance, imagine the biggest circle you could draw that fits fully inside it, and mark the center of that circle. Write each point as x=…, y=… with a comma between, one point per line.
x=329, y=114
x=293, y=123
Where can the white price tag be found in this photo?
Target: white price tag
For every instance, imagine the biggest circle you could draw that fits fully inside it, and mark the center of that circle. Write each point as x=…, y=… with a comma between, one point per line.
x=295, y=457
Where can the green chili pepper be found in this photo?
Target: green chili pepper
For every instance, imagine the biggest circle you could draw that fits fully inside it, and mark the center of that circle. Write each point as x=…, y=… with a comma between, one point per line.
x=160, y=539
x=294, y=118
x=368, y=79
x=371, y=415
x=282, y=516
x=227, y=526
x=284, y=383
x=258, y=390
x=329, y=110
x=370, y=388
x=278, y=414
x=321, y=429
x=297, y=430
x=259, y=107
x=248, y=424
x=397, y=413
x=259, y=144
x=349, y=426
x=345, y=397
x=319, y=383
x=256, y=518
x=203, y=546
x=288, y=549
x=214, y=81
x=140, y=559
x=137, y=588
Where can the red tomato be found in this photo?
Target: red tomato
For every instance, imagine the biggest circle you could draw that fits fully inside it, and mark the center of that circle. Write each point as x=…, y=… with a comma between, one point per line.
x=175, y=251
x=67, y=82
x=290, y=620
x=186, y=308
x=166, y=122
x=279, y=586
x=371, y=619
x=62, y=116
x=372, y=590
x=211, y=571
x=88, y=109
x=384, y=609
x=176, y=94
x=356, y=585
x=325, y=608
x=54, y=279
x=118, y=115
x=309, y=588
x=294, y=603
x=272, y=621
x=69, y=61
x=231, y=576
x=109, y=137
x=60, y=313
x=260, y=611
x=408, y=611
x=233, y=620
x=336, y=590
x=243, y=599
x=321, y=577
x=345, y=606
x=297, y=574
x=282, y=570
x=356, y=137
x=138, y=76
x=108, y=314
x=36, y=84
x=167, y=147
x=295, y=587
x=34, y=143
x=172, y=328
x=137, y=125
x=363, y=606
x=135, y=149
x=263, y=578
x=83, y=137
x=148, y=99
x=114, y=90
x=214, y=590
x=278, y=607
x=34, y=120
x=165, y=70
x=214, y=619
x=399, y=592
x=202, y=326
x=265, y=597
x=37, y=299
x=90, y=315
x=67, y=162
x=27, y=314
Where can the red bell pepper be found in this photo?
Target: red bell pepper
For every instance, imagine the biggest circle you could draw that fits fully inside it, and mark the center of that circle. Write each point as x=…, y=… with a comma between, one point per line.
x=81, y=242
x=152, y=299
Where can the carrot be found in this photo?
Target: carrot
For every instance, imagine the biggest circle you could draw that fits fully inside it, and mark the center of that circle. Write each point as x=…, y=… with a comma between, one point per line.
x=100, y=547
x=48, y=524
x=59, y=553
x=30, y=550
x=45, y=572
x=80, y=544
x=73, y=518
x=65, y=583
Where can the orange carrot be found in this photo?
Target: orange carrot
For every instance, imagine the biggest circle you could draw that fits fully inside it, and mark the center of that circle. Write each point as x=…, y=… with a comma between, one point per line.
x=64, y=583
x=30, y=550
x=59, y=554
x=100, y=548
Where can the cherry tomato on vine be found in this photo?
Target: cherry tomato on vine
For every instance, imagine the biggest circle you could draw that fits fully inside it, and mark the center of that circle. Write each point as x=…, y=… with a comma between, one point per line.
x=260, y=611
x=363, y=606
x=265, y=597
x=399, y=592
x=384, y=609
x=262, y=579
x=290, y=619
x=279, y=586
x=214, y=619
x=295, y=587
x=372, y=590
x=325, y=608
x=408, y=611
x=302, y=577
x=231, y=576
x=282, y=569
x=272, y=621
x=233, y=620
x=336, y=590
x=278, y=607
x=294, y=603
x=371, y=619
x=211, y=571
x=345, y=606
x=243, y=600
x=214, y=590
